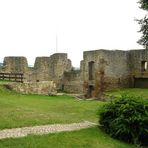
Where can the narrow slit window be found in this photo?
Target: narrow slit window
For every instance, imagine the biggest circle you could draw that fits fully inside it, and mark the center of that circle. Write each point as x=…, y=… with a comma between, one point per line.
x=144, y=66
x=91, y=70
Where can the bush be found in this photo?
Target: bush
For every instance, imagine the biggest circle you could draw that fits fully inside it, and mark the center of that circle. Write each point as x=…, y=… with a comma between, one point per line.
x=126, y=118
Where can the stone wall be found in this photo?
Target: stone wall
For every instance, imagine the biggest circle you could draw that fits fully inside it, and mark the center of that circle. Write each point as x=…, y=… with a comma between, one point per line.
x=15, y=65
x=45, y=68
x=72, y=82
x=111, y=68
x=44, y=88
x=113, y=63
x=59, y=64
x=41, y=69
x=51, y=68
x=135, y=61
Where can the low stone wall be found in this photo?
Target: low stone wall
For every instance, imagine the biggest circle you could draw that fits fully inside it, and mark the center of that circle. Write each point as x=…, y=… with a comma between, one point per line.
x=74, y=87
x=44, y=87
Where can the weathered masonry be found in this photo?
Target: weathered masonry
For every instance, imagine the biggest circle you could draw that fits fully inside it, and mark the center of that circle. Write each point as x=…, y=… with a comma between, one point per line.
x=100, y=68
x=114, y=69
x=45, y=68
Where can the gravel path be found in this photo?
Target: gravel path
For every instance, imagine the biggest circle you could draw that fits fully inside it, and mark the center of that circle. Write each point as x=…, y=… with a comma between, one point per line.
x=44, y=129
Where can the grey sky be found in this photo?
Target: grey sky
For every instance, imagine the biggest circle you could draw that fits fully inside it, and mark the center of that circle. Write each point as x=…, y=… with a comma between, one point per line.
x=28, y=27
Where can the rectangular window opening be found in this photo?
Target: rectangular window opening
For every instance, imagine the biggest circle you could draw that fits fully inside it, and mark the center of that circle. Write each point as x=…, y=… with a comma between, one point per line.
x=91, y=70
x=144, y=66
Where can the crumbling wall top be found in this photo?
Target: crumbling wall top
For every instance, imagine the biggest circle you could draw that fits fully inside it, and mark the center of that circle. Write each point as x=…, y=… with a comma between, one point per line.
x=15, y=64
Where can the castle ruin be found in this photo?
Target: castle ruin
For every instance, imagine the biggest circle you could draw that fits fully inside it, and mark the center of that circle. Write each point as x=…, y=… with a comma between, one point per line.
x=99, y=68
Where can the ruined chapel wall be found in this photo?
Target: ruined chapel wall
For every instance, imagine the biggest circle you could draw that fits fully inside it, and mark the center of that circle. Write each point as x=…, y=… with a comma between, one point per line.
x=117, y=70
x=114, y=64
x=135, y=61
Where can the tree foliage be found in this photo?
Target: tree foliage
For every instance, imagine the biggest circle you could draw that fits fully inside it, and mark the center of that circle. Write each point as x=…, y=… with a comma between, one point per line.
x=143, y=4
x=143, y=25
x=144, y=30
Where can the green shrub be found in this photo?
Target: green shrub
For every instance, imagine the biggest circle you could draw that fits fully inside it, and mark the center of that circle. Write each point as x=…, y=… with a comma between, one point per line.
x=126, y=118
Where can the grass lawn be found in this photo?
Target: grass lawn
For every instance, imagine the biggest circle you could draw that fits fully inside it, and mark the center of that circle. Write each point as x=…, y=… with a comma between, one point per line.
x=17, y=110
x=86, y=138
x=143, y=92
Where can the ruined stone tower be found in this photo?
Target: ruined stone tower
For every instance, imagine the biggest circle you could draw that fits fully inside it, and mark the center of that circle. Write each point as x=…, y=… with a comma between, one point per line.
x=45, y=68
x=15, y=64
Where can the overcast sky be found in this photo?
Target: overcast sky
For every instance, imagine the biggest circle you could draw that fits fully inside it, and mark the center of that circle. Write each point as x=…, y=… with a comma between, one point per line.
x=29, y=27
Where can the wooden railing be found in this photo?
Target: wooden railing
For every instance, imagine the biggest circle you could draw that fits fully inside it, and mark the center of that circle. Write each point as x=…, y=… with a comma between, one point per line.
x=16, y=77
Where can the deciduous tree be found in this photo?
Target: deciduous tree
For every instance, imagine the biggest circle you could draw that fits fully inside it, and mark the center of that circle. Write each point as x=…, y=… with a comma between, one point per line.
x=143, y=25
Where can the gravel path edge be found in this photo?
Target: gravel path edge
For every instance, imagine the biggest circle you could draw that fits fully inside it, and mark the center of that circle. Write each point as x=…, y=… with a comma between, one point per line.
x=44, y=129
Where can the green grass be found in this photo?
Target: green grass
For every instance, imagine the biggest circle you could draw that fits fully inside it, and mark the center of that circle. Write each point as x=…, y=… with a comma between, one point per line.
x=132, y=91
x=4, y=81
x=17, y=110
x=86, y=138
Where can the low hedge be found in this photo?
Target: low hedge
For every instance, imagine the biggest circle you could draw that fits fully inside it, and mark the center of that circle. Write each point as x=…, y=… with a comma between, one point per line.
x=126, y=118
